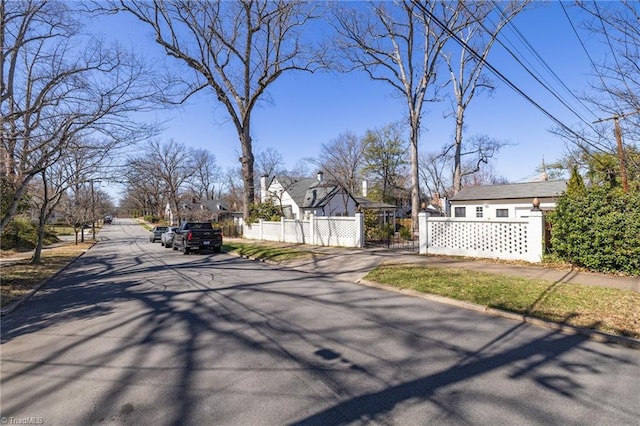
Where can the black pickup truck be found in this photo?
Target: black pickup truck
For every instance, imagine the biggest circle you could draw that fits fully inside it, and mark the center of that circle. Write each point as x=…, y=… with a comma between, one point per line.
x=197, y=236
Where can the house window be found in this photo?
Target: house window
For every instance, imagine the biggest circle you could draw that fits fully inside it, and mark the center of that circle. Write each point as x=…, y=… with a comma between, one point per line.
x=460, y=211
x=478, y=211
x=502, y=212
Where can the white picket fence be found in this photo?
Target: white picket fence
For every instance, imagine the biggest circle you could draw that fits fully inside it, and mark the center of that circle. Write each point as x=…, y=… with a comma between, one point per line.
x=509, y=239
x=317, y=230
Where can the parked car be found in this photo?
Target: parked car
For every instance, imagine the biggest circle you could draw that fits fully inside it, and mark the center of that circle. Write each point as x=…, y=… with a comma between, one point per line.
x=166, y=239
x=156, y=233
x=197, y=236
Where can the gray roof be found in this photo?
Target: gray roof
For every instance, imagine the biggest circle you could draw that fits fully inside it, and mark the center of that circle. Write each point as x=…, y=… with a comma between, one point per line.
x=368, y=204
x=308, y=192
x=512, y=191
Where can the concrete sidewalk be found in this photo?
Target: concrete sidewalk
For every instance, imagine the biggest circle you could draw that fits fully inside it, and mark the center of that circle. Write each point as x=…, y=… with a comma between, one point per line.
x=351, y=264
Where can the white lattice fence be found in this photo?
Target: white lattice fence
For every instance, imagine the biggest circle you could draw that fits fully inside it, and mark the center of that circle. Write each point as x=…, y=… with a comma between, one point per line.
x=294, y=231
x=325, y=231
x=515, y=239
x=335, y=231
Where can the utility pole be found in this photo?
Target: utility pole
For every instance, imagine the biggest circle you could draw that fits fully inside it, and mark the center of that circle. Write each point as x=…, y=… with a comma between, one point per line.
x=618, y=134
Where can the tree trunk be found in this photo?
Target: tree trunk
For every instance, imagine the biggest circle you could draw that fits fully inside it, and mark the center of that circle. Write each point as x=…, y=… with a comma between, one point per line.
x=415, y=179
x=247, y=161
x=457, y=170
x=42, y=220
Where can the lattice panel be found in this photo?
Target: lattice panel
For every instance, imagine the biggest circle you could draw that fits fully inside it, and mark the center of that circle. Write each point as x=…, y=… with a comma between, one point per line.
x=506, y=239
x=335, y=231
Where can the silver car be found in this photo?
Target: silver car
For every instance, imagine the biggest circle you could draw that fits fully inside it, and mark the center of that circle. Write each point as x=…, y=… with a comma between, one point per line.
x=166, y=239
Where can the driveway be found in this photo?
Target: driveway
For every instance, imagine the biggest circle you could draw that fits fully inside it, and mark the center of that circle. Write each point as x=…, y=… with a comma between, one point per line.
x=133, y=333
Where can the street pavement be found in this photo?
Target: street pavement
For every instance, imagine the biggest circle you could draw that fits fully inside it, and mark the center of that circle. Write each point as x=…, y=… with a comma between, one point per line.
x=352, y=264
x=133, y=333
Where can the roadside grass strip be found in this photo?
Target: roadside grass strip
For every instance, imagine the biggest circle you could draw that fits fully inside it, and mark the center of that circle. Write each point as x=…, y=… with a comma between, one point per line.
x=602, y=309
x=264, y=252
x=19, y=278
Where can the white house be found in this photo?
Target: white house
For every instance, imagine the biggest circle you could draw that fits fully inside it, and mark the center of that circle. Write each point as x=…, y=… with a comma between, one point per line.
x=506, y=201
x=300, y=197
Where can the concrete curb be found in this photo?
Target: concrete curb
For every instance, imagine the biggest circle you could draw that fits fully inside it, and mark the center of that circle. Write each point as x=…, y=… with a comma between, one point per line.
x=7, y=310
x=564, y=328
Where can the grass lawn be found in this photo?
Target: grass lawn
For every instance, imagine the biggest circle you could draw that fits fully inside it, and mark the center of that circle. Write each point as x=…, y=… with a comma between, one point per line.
x=604, y=309
x=20, y=277
x=264, y=251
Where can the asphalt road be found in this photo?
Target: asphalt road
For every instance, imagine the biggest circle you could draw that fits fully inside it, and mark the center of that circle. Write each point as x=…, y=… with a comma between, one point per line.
x=133, y=333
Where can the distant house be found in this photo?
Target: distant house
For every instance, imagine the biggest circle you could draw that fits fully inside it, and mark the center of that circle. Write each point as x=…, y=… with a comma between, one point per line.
x=300, y=197
x=506, y=201
x=202, y=210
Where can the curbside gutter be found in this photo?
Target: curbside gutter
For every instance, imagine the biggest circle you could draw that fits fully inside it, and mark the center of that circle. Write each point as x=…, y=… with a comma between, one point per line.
x=564, y=328
x=11, y=307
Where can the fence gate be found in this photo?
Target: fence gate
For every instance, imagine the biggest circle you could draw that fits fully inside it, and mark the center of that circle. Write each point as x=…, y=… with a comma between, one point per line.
x=393, y=236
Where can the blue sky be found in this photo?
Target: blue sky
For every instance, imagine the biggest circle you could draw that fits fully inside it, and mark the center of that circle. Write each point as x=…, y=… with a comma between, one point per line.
x=307, y=110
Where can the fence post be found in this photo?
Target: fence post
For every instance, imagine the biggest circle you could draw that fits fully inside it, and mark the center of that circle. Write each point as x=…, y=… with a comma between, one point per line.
x=422, y=232
x=282, y=236
x=535, y=233
x=312, y=229
x=359, y=230
x=261, y=230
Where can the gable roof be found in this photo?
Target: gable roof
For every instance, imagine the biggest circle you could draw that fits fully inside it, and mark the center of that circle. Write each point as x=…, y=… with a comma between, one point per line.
x=512, y=191
x=308, y=193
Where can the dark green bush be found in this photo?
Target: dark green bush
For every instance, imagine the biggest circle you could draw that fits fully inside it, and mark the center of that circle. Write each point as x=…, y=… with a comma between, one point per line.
x=152, y=218
x=22, y=234
x=599, y=229
x=265, y=211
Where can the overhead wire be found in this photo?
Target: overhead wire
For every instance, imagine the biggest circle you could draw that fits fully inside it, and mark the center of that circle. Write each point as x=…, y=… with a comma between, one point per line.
x=507, y=81
x=615, y=56
x=538, y=79
x=544, y=63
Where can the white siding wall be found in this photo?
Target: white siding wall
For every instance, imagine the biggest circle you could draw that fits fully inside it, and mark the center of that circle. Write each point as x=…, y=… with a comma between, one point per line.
x=516, y=208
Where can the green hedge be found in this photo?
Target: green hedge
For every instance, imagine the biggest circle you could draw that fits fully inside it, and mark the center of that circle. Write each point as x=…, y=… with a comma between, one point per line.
x=598, y=229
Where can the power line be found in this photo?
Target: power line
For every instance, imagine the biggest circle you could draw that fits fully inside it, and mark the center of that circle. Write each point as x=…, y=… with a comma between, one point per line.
x=545, y=65
x=586, y=51
x=504, y=78
x=535, y=77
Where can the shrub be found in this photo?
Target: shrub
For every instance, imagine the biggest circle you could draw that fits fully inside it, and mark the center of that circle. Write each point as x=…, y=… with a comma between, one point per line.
x=599, y=229
x=152, y=218
x=19, y=234
x=265, y=211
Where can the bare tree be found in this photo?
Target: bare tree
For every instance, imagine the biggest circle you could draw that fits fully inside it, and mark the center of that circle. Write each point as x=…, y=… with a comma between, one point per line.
x=616, y=85
x=207, y=175
x=144, y=189
x=269, y=162
x=236, y=49
x=399, y=44
x=476, y=165
x=342, y=159
x=56, y=86
x=81, y=165
x=173, y=164
x=232, y=188
x=483, y=23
